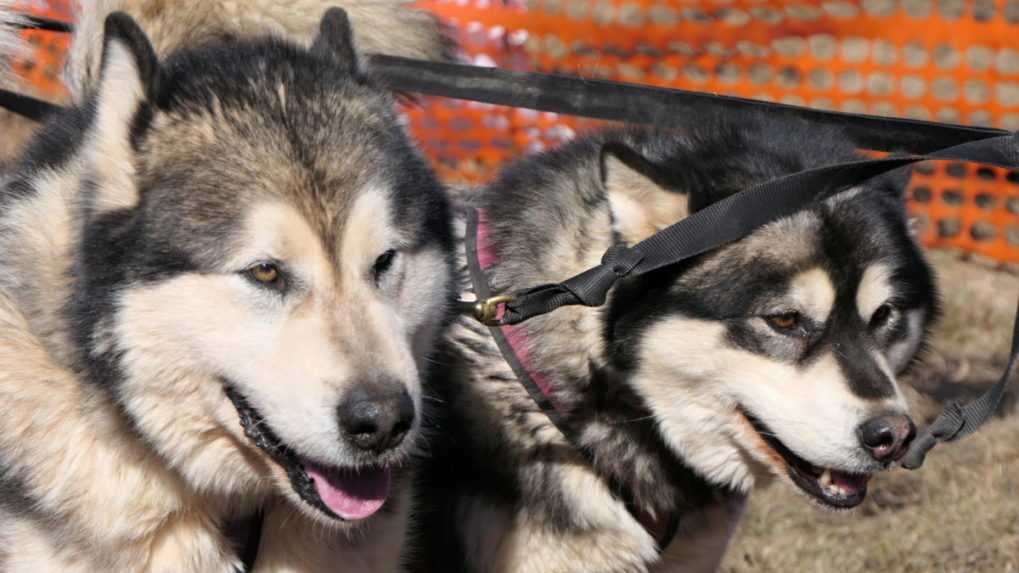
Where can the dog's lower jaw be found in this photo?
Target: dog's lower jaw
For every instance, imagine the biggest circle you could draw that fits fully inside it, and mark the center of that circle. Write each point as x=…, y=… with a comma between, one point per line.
x=705, y=442
x=349, y=525
x=724, y=448
x=827, y=487
x=762, y=475
x=292, y=542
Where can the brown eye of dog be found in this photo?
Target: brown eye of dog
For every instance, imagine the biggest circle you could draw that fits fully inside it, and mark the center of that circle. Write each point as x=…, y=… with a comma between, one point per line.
x=783, y=322
x=266, y=274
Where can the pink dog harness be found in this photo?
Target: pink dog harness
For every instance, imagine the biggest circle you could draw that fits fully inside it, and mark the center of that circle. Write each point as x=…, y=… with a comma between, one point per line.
x=514, y=346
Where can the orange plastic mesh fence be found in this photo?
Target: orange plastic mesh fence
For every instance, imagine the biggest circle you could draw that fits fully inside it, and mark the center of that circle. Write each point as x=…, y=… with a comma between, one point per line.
x=948, y=60
x=42, y=69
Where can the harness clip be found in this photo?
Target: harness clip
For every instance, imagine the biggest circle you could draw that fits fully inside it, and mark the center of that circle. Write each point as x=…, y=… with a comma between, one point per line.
x=487, y=311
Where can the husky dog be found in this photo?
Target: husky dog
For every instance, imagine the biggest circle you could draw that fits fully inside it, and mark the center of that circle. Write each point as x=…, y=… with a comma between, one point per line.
x=221, y=276
x=776, y=355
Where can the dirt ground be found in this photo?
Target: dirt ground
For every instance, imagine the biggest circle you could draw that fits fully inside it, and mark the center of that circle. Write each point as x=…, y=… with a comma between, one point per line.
x=960, y=512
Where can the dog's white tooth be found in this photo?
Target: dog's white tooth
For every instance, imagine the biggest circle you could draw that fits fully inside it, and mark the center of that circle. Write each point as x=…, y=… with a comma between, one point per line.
x=825, y=479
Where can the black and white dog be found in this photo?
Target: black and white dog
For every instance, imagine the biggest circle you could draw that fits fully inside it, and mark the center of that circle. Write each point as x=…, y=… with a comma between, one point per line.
x=776, y=355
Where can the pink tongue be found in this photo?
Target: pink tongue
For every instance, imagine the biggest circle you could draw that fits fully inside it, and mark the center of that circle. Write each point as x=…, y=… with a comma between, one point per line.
x=351, y=495
x=851, y=483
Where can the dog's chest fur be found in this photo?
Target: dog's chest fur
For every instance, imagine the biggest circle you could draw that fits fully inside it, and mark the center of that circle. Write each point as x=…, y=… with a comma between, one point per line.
x=517, y=480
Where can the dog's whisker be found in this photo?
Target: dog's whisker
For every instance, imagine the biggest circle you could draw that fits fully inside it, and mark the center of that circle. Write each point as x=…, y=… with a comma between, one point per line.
x=633, y=420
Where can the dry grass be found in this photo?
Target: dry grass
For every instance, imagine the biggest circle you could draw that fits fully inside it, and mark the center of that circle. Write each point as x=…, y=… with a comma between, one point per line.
x=957, y=513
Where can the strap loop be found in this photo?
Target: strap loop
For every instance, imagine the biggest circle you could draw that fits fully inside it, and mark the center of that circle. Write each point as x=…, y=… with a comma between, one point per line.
x=949, y=423
x=635, y=103
x=622, y=259
x=29, y=107
x=960, y=421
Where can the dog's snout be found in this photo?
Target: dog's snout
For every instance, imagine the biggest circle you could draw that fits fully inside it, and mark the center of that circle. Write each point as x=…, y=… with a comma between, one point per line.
x=886, y=437
x=376, y=419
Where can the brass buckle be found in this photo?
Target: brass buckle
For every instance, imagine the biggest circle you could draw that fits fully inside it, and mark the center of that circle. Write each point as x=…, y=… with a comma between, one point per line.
x=487, y=311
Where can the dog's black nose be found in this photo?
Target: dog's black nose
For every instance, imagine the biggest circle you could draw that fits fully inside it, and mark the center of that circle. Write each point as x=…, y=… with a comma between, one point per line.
x=886, y=437
x=376, y=419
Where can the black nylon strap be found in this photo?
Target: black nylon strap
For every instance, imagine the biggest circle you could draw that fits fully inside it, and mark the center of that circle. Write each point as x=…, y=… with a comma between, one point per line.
x=30, y=107
x=957, y=421
x=635, y=103
x=33, y=22
x=609, y=100
x=731, y=219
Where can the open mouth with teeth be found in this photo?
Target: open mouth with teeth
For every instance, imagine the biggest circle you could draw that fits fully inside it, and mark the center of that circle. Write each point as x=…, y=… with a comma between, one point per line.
x=345, y=494
x=830, y=487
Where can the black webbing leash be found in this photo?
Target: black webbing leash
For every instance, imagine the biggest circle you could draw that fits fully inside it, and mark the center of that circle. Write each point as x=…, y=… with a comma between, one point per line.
x=33, y=108
x=33, y=22
x=957, y=421
x=613, y=101
x=643, y=104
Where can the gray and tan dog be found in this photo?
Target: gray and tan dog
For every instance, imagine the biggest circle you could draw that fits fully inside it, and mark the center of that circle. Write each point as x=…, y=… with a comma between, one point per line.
x=222, y=271
x=776, y=355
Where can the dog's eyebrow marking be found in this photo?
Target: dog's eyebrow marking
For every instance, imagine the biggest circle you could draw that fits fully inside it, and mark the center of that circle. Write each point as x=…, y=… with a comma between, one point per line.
x=875, y=289
x=814, y=293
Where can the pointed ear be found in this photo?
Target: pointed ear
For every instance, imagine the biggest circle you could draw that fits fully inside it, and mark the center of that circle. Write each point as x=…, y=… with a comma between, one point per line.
x=127, y=81
x=125, y=43
x=336, y=40
x=641, y=202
